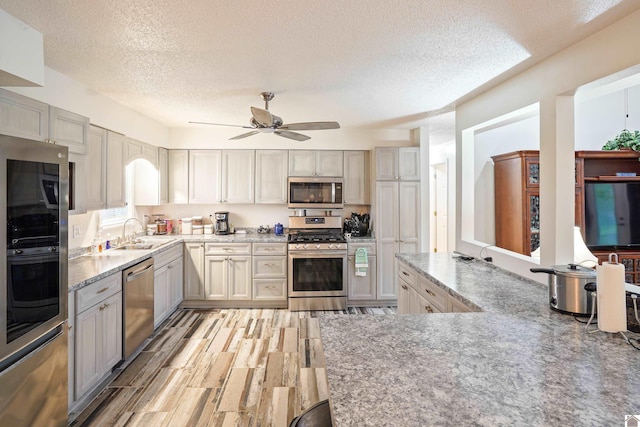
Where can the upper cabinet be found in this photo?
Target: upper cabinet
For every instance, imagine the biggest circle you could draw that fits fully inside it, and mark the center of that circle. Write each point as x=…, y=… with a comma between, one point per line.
x=178, y=176
x=237, y=176
x=135, y=149
x=315, y=163
x=68, y=129
x=356, y=178
x=23, y=117
x=115, y=166
x=97, y=165
x=163, y=171
x=271, y=176
x=398, y=164
x=204, y=176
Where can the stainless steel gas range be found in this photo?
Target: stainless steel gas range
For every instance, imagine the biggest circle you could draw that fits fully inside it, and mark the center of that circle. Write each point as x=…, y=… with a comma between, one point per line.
x=317, y=263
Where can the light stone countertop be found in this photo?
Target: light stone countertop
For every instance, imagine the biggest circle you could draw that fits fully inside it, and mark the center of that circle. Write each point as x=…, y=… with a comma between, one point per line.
x=87, y=269
x=516, y=363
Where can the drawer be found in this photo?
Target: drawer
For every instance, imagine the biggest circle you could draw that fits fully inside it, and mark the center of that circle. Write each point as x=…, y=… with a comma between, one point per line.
x=98, y=291
x=407, y=274
x=270, y=249
x=371, y=248
x=167, y=256
x=269, y=289
x=433, y=293
x=227, y=249
x=269, y=267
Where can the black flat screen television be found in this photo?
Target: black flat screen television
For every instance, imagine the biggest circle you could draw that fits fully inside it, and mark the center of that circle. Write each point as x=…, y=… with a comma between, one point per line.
x=612, y=215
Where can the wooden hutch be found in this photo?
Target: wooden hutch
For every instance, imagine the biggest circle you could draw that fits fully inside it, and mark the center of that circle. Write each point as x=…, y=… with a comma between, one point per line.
x=517, y=197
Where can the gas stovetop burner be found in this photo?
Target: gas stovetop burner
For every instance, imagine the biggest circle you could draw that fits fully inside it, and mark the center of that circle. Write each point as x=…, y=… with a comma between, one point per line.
x=316, y=238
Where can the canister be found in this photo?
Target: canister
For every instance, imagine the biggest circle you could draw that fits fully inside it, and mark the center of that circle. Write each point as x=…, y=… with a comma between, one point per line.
x=198, y=229
x=186, y=226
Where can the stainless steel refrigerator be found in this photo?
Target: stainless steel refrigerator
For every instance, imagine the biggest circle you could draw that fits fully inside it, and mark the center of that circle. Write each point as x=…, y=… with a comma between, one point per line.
x=34, y=201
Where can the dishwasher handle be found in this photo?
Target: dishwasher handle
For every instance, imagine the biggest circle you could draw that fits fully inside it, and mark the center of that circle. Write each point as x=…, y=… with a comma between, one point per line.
x=132, y=275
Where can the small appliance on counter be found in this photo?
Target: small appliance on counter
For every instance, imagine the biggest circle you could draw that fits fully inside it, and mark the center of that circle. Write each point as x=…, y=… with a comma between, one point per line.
x=570, y=287
x=357, y=225
x=222, y=222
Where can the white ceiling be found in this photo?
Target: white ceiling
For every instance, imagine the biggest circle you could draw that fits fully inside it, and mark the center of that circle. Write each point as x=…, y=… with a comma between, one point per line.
x=364, y=63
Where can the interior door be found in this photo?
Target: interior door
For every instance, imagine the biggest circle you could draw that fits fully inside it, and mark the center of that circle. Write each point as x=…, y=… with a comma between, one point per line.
x=441, y=186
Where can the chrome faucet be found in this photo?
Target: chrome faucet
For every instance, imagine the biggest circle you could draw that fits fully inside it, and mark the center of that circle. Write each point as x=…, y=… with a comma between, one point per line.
x=124, y=228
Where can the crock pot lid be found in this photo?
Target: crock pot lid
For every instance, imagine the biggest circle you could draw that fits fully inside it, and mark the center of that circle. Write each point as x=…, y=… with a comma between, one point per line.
x=579, y=272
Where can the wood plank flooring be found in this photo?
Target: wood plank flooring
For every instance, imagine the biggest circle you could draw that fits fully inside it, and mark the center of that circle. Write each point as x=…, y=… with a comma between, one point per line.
x=258, y=367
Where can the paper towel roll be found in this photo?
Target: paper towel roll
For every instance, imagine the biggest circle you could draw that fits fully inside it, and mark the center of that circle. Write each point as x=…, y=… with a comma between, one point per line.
x=612, y=307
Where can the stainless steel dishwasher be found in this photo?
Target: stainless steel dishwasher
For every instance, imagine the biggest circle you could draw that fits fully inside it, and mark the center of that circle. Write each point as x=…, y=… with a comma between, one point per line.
x=138, y=305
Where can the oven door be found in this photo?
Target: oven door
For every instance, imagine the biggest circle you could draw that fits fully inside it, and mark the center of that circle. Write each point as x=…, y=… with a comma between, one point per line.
x=317, y=274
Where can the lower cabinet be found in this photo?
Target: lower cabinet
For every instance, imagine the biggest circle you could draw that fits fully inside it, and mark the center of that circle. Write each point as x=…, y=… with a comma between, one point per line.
x=235, y=275
x=227, y=272
x=269, y=265
x=167, y=294
x=194, y=271
x=98, y=336
x=417, y=294
x=361, y=288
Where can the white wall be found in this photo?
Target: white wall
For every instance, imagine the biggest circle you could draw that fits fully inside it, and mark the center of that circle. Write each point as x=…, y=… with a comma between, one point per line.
x=68, y=94
x=552, y=83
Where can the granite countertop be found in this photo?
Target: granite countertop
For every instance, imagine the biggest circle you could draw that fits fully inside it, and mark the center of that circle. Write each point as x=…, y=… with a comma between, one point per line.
x=86, y=269
x=516, y=362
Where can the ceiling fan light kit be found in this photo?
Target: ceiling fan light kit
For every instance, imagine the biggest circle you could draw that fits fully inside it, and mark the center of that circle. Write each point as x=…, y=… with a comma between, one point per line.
x=262, y=121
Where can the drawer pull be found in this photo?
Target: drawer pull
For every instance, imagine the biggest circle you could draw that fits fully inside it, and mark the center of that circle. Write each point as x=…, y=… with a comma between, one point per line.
x=270, y=264
x=405, y=273
x=102, y=290
x=404, y=287
x=429, y=292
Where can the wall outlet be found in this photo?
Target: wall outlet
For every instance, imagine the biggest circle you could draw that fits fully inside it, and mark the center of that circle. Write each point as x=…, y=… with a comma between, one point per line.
x=76, y=231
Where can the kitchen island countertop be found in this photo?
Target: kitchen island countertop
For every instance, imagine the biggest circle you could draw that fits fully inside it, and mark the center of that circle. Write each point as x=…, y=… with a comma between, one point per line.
x=516, y=362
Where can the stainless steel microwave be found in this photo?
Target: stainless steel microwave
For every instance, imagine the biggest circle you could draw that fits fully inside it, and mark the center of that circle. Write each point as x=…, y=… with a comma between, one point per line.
x=315, y=193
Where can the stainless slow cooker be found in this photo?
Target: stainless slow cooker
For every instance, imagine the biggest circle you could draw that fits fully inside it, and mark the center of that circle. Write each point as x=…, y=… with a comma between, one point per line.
x=570, y=288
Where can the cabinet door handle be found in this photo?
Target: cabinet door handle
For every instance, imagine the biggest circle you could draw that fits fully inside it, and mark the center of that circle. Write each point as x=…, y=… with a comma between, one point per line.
x=170, y=266
x=404, y=287
x=428, y=308
x=429, y=292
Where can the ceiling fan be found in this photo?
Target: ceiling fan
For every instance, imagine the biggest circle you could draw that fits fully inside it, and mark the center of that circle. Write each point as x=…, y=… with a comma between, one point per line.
x=262, y=121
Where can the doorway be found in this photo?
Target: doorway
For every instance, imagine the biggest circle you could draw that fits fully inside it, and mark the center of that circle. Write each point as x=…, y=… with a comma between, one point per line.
x=440, y=206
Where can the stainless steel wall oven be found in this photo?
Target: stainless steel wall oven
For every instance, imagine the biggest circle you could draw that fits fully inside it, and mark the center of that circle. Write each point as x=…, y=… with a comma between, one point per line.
x=33, y=269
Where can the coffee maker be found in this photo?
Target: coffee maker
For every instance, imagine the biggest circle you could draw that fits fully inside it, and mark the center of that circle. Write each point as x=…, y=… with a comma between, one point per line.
x=222, y=222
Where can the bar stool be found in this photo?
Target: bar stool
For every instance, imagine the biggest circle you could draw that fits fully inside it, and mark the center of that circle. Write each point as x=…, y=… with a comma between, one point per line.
x=319, y=415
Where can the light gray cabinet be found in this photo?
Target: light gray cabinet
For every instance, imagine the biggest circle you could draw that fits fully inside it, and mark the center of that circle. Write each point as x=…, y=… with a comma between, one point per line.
x=356, y=178
x=204, y=176
x=316, y=163
x=116, y=171
x=163, y=178
x=68, y=129
x=227, y=271
x=178, y=176
x=397, y=164
x=397, y=229
x=135, y=150
x=194, y=271
x=271, y=176
x=23, y=117
x=237, y=176
x=361, y=288
x=98, y=333
x=270, y=272
x=96, y=194
x=167, y=283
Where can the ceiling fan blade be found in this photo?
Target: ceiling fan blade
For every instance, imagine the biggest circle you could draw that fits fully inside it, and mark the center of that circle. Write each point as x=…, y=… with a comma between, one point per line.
x=221, y=124
x=263, y=117
x=244, y=135
x=292, y=135
x=311, y=126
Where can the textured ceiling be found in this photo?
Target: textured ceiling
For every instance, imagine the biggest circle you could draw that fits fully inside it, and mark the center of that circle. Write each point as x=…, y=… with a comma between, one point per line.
x=364, y=63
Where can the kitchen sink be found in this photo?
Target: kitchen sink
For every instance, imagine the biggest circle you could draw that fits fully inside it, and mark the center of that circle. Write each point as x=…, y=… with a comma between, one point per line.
x=143, y=244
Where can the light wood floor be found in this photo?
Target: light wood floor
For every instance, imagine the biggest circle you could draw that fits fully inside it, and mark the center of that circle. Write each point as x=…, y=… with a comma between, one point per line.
x=259, y=367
